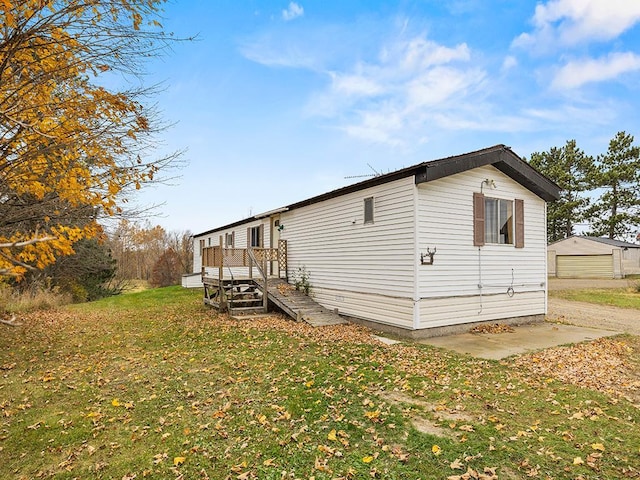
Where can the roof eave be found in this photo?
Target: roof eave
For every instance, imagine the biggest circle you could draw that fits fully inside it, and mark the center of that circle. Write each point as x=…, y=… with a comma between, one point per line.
x=500, y=157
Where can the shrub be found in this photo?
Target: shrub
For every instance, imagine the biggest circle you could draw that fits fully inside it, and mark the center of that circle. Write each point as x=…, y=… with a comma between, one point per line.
x=35, y=297
x=302, y=280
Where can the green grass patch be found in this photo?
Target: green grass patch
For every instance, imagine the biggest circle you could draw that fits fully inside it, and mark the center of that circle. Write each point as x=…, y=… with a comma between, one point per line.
x=618, y=297
x=155, y=385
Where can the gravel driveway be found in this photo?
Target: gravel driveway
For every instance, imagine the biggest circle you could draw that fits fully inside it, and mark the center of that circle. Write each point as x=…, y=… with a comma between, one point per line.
x=590, y=314
x=595, y=316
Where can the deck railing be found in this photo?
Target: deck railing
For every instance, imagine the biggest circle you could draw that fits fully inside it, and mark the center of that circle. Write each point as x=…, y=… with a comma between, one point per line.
x=221, y=258
x=235, y=270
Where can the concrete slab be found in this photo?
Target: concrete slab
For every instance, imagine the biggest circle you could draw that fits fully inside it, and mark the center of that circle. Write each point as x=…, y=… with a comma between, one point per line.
x=524, y=339
x=386, y=340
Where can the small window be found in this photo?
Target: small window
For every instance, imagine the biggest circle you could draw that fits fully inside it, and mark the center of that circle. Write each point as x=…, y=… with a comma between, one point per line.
x=229, y=240
x=255, y=236
x=368, y=210
x=201, y=245
x=494, y=221
x=498, y=226
x=209, y=240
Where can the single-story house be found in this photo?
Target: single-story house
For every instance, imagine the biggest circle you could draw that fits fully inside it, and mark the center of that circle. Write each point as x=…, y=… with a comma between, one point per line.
x=592, y=257
x=448, y=242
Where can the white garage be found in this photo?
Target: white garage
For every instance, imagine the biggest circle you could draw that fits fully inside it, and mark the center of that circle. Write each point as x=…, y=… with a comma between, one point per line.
x=592, y=257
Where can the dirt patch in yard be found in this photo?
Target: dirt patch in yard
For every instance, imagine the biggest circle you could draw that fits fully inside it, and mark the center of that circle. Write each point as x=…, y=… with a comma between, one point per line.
x=441, y=413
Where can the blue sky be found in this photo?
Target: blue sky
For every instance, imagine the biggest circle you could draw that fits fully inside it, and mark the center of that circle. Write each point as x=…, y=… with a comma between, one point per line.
x=278, y=101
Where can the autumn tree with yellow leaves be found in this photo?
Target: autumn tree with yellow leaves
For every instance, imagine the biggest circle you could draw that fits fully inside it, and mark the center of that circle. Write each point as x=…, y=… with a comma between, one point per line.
x=71, y=149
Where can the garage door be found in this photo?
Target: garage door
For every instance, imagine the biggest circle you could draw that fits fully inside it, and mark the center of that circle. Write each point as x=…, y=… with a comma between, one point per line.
x=584, y=266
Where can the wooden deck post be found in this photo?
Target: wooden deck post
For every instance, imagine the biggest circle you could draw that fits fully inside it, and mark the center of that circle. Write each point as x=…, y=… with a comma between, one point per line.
x=221, y=268
x=265, y=289
x=221, y=294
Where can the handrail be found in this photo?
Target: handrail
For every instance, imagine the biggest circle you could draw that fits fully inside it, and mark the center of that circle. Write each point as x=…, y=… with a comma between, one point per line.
x=232, y=284
x=263, y=272
x=254, y=260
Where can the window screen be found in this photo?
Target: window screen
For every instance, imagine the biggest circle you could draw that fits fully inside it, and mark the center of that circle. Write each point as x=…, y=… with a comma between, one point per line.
x=368, y=210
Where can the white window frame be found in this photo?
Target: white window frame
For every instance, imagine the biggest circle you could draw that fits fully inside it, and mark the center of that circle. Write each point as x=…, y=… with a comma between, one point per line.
x=499, y=224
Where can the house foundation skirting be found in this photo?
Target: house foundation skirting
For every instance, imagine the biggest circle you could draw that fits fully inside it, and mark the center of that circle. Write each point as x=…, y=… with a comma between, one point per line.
x=443, y=330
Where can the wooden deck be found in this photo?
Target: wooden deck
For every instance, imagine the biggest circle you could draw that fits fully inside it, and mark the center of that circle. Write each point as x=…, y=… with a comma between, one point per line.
x=299, y=306
x=235, y=294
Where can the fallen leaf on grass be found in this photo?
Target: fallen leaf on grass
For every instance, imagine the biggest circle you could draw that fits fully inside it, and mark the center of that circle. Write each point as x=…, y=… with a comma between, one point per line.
x=602, y=365
x=372, y=415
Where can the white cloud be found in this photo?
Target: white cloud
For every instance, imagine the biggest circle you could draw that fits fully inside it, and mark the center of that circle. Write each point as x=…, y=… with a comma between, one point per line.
x=572, y=22
x=577, y=73
x=356, y=85
x=440, y=84
x=378, y=126
x=293, y=11
x=509, y=62
x=420, y=53
x=395, y=96
x=265, y=52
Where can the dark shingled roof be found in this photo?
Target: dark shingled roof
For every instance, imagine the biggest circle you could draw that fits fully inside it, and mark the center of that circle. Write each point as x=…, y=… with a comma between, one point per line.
x=499, y=156
x=613, y=242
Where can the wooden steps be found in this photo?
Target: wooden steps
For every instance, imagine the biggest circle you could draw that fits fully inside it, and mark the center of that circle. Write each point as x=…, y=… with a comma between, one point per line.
x=241, y=296
x=245, y=296
x=299, y=306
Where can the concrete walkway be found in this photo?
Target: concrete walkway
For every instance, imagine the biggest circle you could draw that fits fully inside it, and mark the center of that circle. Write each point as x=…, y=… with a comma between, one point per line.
x=524, y=339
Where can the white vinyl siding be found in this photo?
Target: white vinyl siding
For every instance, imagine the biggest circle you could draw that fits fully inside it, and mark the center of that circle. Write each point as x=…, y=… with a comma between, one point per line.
x=396, y=311
x=445, y=213
x=369, y=262
x=439, y=311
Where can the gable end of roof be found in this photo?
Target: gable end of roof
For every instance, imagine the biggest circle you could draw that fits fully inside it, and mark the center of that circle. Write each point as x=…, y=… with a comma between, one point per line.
x=500, y=157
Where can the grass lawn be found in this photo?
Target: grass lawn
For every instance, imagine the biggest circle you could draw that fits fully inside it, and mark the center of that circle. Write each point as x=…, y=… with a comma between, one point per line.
x=618, y=297
x=155, y=385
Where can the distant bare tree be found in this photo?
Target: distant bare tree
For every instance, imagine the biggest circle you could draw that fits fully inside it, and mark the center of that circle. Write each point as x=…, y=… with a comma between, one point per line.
x=137, y=250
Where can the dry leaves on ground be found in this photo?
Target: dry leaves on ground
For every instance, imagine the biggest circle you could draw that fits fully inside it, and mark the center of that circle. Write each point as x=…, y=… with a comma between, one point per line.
x=492, y=328
x=604, y=365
